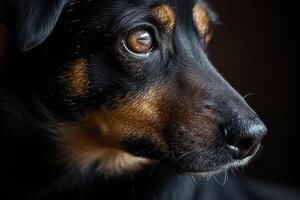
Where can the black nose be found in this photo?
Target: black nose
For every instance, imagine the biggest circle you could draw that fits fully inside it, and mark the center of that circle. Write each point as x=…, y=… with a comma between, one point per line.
x=243, y=137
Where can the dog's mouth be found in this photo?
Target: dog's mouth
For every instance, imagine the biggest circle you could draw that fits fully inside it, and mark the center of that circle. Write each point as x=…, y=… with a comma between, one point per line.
x=208, y=159
x=215, y=167
x=216, y=170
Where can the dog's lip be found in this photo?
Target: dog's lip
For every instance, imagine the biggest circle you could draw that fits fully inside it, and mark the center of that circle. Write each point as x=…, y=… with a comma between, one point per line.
x=203, y=173
x=221, y=168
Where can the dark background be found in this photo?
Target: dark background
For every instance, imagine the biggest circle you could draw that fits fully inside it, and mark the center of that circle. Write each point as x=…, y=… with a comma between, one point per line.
x=252, y=49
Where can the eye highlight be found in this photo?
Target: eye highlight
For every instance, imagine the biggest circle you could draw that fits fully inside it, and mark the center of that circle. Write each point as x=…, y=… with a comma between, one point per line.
x=139, y=41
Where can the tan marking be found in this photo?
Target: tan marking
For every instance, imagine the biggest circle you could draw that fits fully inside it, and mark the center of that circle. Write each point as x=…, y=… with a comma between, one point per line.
x=77, y=78
x=98, y=135
x=201, y=19
x=208, y=37
x=165, y=14
x=131, y=115
x=81, y=147
x=3, y=41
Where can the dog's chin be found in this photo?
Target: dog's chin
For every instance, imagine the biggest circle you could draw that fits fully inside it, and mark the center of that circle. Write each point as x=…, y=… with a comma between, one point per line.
x=220, y=169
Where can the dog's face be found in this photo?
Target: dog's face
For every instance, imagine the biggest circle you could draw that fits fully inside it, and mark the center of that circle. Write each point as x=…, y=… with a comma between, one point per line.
x=133, y=76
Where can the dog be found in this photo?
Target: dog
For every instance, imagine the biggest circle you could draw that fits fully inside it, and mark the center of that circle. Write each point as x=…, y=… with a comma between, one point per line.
x=116, y=100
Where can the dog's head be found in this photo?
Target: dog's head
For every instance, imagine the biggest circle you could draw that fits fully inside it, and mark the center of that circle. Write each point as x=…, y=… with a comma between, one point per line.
x=132, y=80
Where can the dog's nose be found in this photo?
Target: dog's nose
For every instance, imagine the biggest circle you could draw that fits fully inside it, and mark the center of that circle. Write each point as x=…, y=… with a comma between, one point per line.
x=243, y=137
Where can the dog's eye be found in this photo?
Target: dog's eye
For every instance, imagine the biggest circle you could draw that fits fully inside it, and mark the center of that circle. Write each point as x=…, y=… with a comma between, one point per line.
x=139, y=41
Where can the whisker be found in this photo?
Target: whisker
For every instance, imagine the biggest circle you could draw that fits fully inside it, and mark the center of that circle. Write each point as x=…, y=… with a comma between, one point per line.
x=261, y=97
x=190, y=152
x=232, y=171
x=208, y=177
x=248, y=95
x=194, y=179
x=216, y=179
x=148, y=153
x=139, y=128
x=224, y=181
x=173, y=155
x=225, y=178
x=142, y=150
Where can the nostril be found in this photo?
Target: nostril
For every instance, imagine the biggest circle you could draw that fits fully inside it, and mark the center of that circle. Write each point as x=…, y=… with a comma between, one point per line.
x=230, y=138
x=247, y=147
x=246, y=143
x=241, y=143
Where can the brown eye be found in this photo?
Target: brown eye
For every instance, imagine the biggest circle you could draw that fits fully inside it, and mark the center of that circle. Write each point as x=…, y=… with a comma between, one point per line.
x=139, y=42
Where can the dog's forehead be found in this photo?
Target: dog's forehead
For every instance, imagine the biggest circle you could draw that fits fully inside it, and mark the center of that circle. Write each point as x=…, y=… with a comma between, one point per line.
x=184, y=3
x=119, y=14
x=114, y=8
x=178, y=6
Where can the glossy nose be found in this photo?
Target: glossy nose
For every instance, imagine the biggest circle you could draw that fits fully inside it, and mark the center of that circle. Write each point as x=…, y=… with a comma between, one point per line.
x=243, y=137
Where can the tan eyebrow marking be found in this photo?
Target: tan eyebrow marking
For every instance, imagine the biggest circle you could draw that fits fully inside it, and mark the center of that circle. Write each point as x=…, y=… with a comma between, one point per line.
x=201, y=19
x=165, y=14
x=77, y=78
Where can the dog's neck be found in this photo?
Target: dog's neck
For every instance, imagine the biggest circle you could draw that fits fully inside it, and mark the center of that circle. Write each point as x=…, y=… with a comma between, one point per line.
x=150, y=182
x=135, y=178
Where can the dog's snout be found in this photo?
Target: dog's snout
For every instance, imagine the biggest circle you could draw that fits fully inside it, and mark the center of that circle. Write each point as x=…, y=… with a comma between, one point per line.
x=243, y=137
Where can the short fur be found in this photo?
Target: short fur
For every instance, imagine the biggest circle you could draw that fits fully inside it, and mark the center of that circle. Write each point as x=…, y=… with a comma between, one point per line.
x=83, y=118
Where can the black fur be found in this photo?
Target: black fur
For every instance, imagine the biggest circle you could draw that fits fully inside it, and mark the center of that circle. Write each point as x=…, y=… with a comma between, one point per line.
x=46, y=37
x=30, y=21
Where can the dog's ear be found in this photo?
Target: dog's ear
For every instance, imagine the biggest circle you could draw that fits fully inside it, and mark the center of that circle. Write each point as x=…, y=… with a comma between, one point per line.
x=31, y=21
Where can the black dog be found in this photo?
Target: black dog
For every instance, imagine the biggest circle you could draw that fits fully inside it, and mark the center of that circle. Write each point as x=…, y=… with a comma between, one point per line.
x=120, y=101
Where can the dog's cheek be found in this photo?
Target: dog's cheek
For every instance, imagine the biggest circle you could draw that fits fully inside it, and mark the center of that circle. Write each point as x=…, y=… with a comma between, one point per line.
x=139, y=117
x=100, y=134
